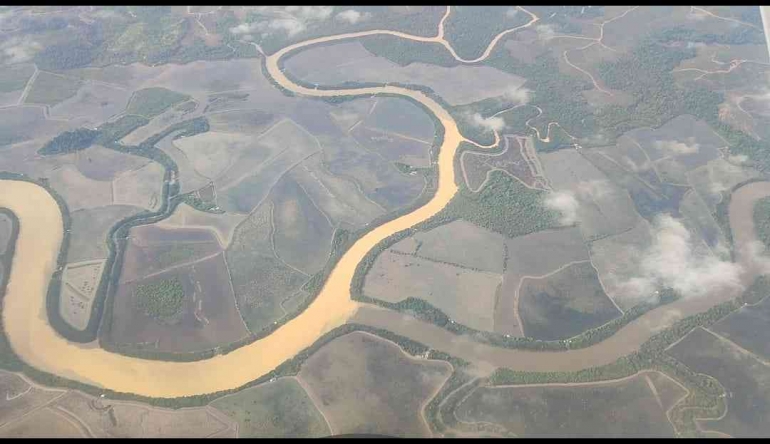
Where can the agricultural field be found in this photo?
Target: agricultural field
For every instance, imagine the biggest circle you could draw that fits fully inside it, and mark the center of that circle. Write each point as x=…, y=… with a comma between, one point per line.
x=278, y=409
x=140, y=188
x=604, y=208
x=89, y=229
x=747, y=328
x=364, y=384
x=564, y=304
x=630, y=408
x=463, y=294
x=79, y=284
x=51, y=89
x=534, y=255
x=463, y=244
x=181, y=309
x=744, y=377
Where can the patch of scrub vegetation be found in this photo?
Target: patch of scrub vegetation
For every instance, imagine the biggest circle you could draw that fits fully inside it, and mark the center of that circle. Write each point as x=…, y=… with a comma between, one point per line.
x=504, y=206
x=150, y=102
x=15, y=77
x=404, y=52
x=70, y=141
x=50, y=89
x=279, y=409
x=762, y=220
x=470, y=29
x=160, y=300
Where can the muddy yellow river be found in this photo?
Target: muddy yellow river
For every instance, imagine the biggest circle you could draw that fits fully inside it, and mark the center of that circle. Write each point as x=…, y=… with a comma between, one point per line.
x=40, y=237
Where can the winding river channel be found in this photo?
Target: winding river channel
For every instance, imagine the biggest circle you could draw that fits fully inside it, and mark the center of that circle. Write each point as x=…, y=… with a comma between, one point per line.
x=40, y=238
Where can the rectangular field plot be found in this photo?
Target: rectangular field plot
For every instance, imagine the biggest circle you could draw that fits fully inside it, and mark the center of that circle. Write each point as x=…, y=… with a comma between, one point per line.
x=748, y=327
x=564, y=304
x=89, y=230
x=50, y=89
x=464, y=244
x=466, y=296
x=368, y=385
x=6, y=229
x=278, y=409
x=626, y=408
x=746, y=380
x=400, y=116
x=79, y=283
x=141, y=188
x=394, y=147
x=111, y=419
x=206, y=317
x=20, y=397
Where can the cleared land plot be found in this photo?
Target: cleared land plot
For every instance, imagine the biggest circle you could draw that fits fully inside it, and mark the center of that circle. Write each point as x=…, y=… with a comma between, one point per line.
x=302, y=234
x=746, y=380
x=20, y=397
x=697, y=214
x=251, y=121
x=99, y=163
x=690, y=142
x=50, y=89
x=350, y=62
x=393, y=147
x=260, y=281
x=348, y=114
x=15, y=77
x=627, y=408
x=717, y=176
x=379, y=180
x=208, y=316
x=535, y=254
x=6, y=229
x=211, y=153
x=618, y=259
x=94, y=102
x=141, y=188
x=151, y=102
x=24, y=123
x=243, y=186
x=44, y=423
x=278, y=409
x=111, y=419
x=466, y=296
x=514, y=161
x=464, y=244
x=79, y=283
x=402, y=117
x=152, y=249
x=189, y=179
x=79, y=191
x=648, y=199
x=604, y=208
x=222, y=225
x=337, y=197
x=747, y=327
x=89, y=229
x=564, y=304
x=364, y=384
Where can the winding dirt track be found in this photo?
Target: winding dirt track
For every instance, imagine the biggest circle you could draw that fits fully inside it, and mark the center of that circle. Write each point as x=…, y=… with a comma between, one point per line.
x=39, y=241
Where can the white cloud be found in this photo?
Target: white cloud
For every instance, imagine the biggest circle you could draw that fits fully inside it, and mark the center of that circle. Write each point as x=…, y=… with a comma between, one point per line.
x=290, y=20
x=545, y=32
x=352, y=16
x=738, y=159
x=675, y=260
x=565, y=203
x=634, y=167
x=520, y=95
x=594, y=189
x=17, y=50
x=676, y=148
x=511, y=12
x=490, y=123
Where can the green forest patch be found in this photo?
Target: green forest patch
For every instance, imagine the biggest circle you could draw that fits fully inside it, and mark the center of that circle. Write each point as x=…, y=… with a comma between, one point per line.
x=160, y=300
